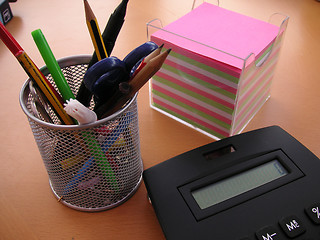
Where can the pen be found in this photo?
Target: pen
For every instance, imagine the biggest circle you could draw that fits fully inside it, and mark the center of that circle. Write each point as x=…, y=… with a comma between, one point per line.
x=52, y=64
x=94, y=30
x=97, y=156
x=114, y=25
x=105, y=148
x=39, y=105
x=35, y=74
x=79, y=112
x=78, y=176
x=67, y=94
x=109, y=37
x=101, y=159
x=116, y=102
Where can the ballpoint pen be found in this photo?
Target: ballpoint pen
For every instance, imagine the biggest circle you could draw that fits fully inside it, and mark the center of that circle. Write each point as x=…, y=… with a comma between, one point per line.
x=39, y=105
x=79, y=112
x=82, y=172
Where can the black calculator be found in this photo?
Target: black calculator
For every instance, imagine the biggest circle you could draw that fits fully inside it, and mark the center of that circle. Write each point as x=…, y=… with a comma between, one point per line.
x=259, y=185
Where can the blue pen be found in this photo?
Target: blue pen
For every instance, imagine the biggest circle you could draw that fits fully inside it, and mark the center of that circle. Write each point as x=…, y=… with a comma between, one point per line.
x=105, y=147
x=117, y=132
x=78, y=177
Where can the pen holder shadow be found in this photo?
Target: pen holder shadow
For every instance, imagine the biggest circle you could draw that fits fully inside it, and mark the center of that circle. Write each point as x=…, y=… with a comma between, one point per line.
x=91, y=167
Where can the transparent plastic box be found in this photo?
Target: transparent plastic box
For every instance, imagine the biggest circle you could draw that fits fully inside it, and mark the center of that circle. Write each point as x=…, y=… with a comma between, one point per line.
x=202, y=92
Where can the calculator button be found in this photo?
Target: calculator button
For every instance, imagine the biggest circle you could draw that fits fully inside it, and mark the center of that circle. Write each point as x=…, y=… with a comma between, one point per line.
x=268, y=233
x=292, y=226
x=314, y=212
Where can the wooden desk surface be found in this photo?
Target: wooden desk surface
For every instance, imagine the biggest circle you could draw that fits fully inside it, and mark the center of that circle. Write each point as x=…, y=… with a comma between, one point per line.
x=28, y=208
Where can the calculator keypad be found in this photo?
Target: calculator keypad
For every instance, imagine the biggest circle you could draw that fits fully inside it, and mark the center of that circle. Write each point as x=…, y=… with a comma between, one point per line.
x=292, y=227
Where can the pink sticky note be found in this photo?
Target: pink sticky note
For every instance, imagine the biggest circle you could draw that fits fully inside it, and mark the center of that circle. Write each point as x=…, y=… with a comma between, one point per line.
x=220, y=34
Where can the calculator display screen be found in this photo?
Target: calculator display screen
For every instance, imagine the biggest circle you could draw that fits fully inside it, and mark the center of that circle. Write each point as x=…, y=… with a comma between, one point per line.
x=237, y=184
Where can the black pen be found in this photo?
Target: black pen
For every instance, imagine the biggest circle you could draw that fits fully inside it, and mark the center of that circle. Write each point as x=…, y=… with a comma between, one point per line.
x=114, y=25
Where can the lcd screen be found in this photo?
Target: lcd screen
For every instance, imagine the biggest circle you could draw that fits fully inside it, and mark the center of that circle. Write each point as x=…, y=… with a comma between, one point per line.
x=237, y=184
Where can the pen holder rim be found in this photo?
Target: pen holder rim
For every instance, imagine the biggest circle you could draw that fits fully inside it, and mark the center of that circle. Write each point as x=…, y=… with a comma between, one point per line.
x=63, y=62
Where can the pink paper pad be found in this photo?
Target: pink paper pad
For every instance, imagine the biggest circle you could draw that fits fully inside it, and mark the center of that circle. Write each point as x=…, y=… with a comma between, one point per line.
x=235, y=35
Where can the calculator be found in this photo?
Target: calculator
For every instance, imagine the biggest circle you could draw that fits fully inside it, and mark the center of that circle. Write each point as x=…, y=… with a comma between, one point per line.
x=258, y=185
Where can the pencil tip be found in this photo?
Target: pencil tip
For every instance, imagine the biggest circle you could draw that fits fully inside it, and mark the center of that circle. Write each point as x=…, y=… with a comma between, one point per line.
x=169, y=50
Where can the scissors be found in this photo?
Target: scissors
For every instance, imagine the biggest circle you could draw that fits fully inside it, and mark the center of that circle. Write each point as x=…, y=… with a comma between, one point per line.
x=103, y=78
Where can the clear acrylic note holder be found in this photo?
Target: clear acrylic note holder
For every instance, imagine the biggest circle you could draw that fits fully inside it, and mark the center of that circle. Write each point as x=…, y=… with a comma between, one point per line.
x=215, y=115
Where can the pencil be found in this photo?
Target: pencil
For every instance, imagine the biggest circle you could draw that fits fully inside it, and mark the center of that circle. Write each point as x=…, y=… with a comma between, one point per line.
x=109, y=36
x=35, y=75
x=118, y=100
x=94, y=30
x=146, y=60
x=147, y=72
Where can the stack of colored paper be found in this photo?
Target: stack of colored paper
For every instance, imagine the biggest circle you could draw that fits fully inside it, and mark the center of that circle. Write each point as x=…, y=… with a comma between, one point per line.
x=211, y=80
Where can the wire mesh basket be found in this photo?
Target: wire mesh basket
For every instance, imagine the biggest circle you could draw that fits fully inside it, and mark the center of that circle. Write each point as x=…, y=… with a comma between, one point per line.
x=91, y=167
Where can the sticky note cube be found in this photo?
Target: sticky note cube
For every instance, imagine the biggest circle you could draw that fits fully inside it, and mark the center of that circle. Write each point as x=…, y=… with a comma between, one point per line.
x=211, y=81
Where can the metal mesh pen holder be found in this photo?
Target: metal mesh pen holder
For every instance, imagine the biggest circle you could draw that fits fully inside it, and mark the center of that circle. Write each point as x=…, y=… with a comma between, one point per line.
x=91, y=167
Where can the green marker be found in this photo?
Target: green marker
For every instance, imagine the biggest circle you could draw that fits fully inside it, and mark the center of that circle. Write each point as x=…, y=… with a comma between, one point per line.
x=52, y=65
x=101, y=160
